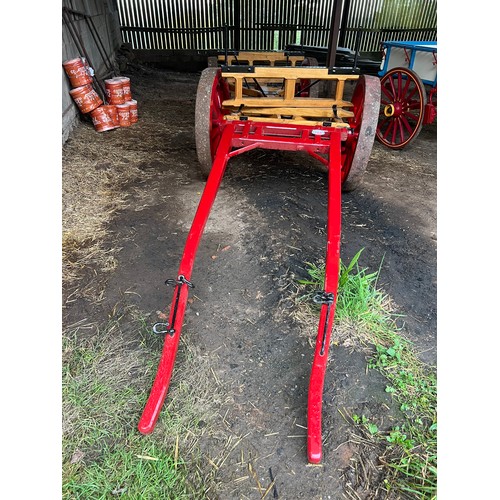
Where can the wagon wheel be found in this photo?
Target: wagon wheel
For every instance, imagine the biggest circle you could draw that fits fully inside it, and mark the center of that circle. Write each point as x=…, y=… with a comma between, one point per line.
x=358, y=146
x=402, y=108
x=209, y=116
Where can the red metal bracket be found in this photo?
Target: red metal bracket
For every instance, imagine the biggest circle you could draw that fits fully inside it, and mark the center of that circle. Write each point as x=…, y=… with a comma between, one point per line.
x=430, y=111
x=238, y=137
x=407, y=57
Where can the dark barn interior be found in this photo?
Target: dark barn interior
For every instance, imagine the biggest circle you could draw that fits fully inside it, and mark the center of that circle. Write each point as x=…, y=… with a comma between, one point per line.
x=159, y=117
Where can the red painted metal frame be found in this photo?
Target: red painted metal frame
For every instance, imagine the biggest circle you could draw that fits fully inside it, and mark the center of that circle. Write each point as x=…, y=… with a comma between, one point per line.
x=316, y=382
x=324, y=144
x=430, y=108
x=171, y=343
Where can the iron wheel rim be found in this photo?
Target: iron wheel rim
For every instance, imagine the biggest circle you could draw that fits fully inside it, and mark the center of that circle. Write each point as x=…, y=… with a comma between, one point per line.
x=356, y=149
x=209, y=116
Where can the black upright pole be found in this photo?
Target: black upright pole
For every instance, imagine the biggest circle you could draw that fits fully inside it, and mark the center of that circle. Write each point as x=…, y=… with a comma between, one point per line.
x=226, y=41
x=237, y=25
x=334, y=34
x=343, y=27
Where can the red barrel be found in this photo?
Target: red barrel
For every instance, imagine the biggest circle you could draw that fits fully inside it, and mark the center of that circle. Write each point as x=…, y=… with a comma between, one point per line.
x=133, y=111
x=127, y=94
x=113, y=113
x=124, y=114
x=77, y=72
x=102, y=119
x=114, y=91
x=86, y=98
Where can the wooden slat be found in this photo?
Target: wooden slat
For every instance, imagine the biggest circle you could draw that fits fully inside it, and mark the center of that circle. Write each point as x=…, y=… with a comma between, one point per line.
x=309, y=112
x=246, y=91
x=289, y=93
x=251, y=57
x=296, y=121
x=297, y=102
x=297, y=73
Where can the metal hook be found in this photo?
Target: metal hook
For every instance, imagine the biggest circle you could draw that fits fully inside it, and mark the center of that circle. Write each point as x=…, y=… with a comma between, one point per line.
x=156, y=327
x=322, y=297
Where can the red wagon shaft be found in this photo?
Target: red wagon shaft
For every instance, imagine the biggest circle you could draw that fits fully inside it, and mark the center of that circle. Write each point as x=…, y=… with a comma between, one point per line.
x=336, y=132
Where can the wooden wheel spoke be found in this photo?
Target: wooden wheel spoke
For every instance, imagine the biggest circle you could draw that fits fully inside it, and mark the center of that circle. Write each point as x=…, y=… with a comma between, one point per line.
x=414, y=105
x=389, y=90
x=411, y=116
x=406, y=87
x=406, y=124
x=401, y=129
x=410, y=95
x=399, y=79
x=394, y=130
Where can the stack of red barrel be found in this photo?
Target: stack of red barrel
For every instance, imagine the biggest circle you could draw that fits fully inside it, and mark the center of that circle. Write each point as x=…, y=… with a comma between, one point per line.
x=82, y=92
x=119, y=94
x=120, y=109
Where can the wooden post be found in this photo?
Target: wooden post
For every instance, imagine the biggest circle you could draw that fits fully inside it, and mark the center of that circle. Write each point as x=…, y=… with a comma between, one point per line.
x=334, y=34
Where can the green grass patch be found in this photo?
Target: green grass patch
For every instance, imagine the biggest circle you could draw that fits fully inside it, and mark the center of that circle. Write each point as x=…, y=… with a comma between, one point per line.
x=106, y=379
x=410, y=456
x=140, y=469
x=412, y=449
x=359, y=300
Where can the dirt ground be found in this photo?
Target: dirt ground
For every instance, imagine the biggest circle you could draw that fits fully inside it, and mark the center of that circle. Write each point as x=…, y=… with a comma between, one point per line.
x=268, y=220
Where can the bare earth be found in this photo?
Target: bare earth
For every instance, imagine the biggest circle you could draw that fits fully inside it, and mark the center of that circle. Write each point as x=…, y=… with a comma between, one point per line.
x=268, y=220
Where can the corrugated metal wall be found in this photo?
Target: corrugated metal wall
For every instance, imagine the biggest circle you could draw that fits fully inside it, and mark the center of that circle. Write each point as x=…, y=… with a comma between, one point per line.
x=380, y=20
x=175, y=24
x=271, y=24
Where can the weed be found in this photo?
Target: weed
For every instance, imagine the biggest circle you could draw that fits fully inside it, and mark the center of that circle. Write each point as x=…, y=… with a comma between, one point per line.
x=358, y=299
x=410, y=455
x=362, y=420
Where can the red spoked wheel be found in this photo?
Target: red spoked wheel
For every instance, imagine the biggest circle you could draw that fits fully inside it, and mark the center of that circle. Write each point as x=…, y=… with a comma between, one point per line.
x=402, y=108
x=357, y=148
x=209, y=116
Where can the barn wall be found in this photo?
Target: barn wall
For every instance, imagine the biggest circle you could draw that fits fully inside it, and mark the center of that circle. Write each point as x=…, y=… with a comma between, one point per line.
x=190, y=25
x=103, y=15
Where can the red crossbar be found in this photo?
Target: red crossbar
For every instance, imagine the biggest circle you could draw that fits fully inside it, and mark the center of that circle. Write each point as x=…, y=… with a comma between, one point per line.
x=237, y=138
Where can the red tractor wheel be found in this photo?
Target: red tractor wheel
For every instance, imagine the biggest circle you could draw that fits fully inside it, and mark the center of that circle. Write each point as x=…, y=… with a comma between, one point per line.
x=209, y=116
x=357, y=148
x=402, y=108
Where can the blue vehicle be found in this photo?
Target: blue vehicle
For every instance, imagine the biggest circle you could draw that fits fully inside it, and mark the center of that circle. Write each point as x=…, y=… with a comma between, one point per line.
x=408, y=78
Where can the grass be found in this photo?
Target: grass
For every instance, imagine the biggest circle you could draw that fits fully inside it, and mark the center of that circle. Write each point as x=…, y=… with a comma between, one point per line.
x=409, y=453
x=358, y=301
x=141, y=470
x=412, y=448
x=103, y=380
